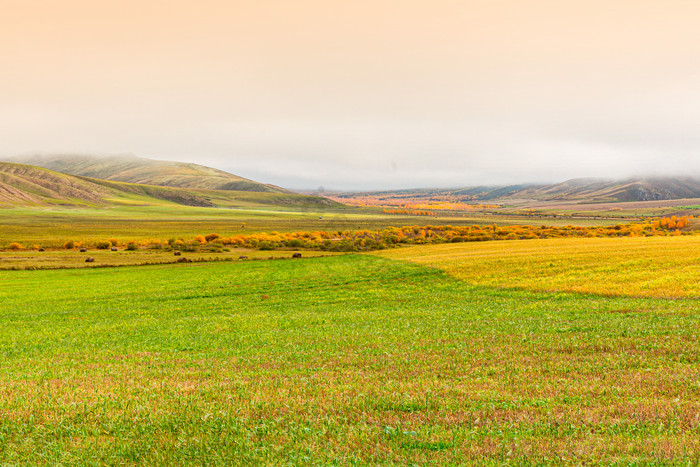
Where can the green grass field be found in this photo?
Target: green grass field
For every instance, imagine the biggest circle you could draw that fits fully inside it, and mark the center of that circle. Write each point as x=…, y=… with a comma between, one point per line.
x=338, y=360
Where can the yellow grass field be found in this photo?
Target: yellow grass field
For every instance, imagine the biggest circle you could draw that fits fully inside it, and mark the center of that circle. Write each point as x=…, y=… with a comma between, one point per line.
x=666, y=267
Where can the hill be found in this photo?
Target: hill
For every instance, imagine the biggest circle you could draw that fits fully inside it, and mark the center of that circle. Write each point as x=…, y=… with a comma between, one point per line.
x=593, y=190
x=580, y=190
x=132, y=169
x=601, y=190
x=27, y=185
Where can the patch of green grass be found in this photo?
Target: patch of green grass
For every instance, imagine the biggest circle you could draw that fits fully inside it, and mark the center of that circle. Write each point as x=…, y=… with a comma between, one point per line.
x=338, y=360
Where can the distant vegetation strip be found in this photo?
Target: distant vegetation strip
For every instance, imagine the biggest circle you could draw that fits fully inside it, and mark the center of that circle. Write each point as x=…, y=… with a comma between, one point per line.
x=74, y=259
x=414, y=205
x=369, y=240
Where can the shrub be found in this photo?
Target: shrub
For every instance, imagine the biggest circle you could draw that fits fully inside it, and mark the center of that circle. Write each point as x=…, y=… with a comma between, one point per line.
x=69, y=245
x=16, y=246
x=211, y=237
x=215, y=247
x=188, y=247
x=103, y=245
x=294, y=243
x=113, y=242
x=200, y=239
x=131, y=246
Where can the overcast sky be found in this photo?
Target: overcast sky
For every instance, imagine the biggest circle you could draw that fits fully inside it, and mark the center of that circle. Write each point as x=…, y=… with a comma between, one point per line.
x=360, y=94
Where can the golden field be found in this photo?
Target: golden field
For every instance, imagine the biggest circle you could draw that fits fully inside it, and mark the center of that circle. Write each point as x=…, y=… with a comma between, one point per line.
x=665, y=267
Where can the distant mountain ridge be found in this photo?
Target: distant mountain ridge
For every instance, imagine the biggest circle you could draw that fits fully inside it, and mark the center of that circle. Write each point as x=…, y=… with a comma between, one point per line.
x=142, y=171
x=605, y=190
x=132, y=169
x=579, y=190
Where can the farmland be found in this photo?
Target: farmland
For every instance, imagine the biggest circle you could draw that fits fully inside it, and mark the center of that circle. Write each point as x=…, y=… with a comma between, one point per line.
x=346, y=359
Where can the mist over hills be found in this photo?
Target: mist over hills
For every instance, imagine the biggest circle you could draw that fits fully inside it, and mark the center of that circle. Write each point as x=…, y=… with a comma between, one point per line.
x=132, y=169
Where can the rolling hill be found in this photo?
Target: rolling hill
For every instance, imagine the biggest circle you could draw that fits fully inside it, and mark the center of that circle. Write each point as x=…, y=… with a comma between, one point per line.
x=580, y=190
x=132, y=169
x=601, y=190
x=27, y=185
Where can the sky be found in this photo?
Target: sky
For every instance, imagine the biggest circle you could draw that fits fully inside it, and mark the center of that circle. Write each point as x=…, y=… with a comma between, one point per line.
x=361, y=94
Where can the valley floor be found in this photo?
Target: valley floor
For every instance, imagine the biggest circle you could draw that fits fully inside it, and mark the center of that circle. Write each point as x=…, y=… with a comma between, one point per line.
x=339, y=360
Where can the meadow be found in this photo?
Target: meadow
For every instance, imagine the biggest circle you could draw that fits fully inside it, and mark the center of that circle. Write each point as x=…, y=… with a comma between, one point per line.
x=575, y=349
x=351, y=359
x=48, y=226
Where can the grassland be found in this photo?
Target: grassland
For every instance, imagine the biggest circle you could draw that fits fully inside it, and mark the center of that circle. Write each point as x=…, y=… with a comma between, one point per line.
x=55, y=226
x=650, y=266
x=560, y=351
x=30, y=226
x=338, y=360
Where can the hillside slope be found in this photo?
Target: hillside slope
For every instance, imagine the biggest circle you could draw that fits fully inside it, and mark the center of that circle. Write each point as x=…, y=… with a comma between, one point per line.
x=26, y=185
x=601, y=190
x=140, y=170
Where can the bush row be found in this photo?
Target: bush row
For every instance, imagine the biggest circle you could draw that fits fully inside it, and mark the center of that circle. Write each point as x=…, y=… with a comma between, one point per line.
x=365, y=240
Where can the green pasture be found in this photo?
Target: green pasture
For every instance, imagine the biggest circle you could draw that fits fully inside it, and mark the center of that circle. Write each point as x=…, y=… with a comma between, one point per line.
x=350, y=359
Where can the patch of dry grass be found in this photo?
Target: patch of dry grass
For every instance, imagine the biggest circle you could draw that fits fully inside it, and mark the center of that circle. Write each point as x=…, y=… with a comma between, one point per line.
x=646, y=267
